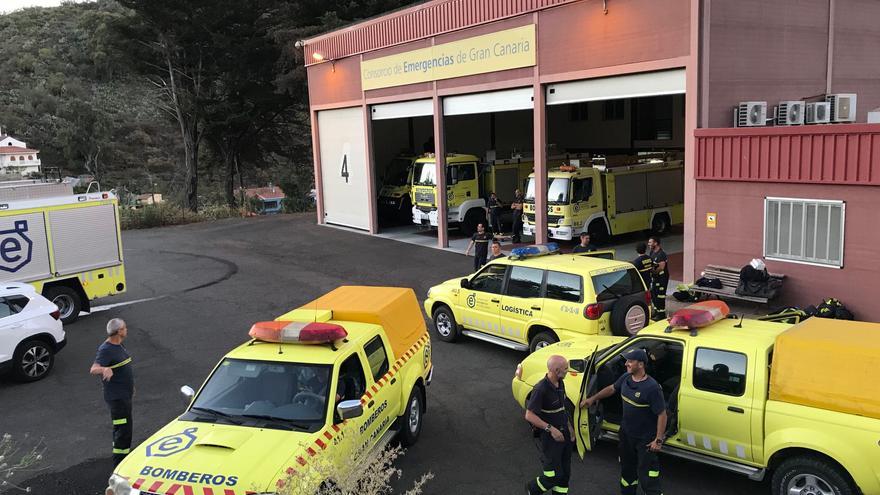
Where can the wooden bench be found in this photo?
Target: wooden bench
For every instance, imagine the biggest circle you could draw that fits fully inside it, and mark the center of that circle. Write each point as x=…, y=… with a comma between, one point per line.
x=730, y=281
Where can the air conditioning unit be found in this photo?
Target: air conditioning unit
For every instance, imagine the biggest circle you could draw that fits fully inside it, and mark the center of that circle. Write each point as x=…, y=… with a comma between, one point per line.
x=818, y=113
x=843, y=107
x=790, y=113
x=750, y=114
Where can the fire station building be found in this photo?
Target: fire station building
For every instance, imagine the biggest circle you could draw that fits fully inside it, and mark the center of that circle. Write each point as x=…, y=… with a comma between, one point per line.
x=767, y=101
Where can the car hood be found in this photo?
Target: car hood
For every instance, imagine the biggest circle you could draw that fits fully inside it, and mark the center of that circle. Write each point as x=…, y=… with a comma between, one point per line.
x=227, y=459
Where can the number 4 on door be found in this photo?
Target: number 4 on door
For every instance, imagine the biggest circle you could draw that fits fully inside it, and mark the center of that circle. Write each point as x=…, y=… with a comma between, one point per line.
x=345, y=168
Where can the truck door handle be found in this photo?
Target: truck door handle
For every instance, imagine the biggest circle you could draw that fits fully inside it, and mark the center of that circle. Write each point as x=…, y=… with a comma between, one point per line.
x=735, y=409
x=536, y=308
x=496, y=300
x=393, y=381
x=370, y=404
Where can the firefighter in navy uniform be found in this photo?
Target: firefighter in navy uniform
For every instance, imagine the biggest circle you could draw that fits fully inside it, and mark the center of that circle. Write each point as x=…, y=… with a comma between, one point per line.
x=546, y=413
x=644, y=264
x=113, y=364
x=643, y=427
x=659, y=278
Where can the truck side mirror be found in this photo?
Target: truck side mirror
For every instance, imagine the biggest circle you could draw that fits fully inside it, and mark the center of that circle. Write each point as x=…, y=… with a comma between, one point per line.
x=187, y=392
x=350, y=409
x=579, y=365
x=465, y=283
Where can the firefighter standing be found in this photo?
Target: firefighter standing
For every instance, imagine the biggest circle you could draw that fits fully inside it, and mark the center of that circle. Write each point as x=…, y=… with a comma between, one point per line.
x=113, y=363
x=480, y=243
x=644, y=264
x=517, y=208
x=546, y=412
x=659, y=278
x=643, y=427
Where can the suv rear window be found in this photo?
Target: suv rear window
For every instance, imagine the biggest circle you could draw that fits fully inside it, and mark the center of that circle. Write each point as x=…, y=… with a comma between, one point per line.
x=617, y=284
x=564, y=286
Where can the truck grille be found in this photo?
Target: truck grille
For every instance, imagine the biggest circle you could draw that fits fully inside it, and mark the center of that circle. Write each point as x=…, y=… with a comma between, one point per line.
x=425, y=197
x=551, y=219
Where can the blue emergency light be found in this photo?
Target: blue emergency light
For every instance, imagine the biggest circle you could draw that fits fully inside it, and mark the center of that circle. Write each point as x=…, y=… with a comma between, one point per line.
x=536, y=250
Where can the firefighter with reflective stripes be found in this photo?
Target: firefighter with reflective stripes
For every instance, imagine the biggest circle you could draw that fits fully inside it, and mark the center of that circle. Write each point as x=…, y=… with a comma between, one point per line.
x=546, y=412
x=644, y=264
x=643, y=427
x=659, y=278
x=113, y=363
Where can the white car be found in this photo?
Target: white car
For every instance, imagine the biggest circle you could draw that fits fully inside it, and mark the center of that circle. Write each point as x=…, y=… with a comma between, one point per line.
x=30, y=332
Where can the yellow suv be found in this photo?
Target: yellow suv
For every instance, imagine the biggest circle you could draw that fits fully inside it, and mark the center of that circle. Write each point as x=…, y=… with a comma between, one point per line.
x=537, y=297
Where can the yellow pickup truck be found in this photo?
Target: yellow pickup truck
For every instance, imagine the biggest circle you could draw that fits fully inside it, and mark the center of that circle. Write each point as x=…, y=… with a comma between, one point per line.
x=797, y=403
x=310, y=395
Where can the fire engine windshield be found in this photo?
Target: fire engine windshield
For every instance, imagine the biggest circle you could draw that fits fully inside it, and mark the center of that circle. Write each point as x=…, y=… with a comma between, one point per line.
x=425, y=174
x=273, y=394
x=398, y=172
x=557, y=190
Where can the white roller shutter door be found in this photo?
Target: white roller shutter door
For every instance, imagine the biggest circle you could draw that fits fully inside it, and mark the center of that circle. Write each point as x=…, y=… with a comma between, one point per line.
x=84, y=238
x=343, y=167
x=668, y=82
x=495, y=101
x=403, y=109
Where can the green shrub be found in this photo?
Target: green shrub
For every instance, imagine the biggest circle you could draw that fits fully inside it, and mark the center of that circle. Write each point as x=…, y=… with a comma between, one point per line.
x=169, y=214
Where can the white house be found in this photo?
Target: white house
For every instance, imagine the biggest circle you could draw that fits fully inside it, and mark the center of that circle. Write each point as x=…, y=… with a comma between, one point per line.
x=16, y=158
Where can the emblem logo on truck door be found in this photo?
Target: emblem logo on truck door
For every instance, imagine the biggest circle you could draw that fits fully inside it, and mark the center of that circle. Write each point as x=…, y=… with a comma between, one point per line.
x=15, y=247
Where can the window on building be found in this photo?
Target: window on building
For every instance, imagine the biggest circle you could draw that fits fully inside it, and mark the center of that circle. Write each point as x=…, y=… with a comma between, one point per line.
x=808, y=231
x=21, y=158
x=11, y=158
x=613, y=110
x=722, y=372
x=579, y=111
x=653, y=117
x=30, y=157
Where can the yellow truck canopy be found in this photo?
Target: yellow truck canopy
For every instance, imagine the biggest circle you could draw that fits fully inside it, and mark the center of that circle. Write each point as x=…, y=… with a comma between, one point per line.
x=395, y=309
x=829, y=364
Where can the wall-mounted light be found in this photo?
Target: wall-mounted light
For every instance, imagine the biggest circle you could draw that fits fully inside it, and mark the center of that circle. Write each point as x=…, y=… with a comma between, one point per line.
x=318, y=56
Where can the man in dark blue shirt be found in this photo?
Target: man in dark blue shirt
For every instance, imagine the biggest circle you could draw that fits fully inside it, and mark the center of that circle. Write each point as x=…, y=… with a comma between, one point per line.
x=113, y=363
x=643, y=427
x=546, y=413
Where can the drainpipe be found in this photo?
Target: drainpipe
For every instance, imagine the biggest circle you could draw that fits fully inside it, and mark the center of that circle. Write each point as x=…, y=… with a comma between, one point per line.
x=829, y=70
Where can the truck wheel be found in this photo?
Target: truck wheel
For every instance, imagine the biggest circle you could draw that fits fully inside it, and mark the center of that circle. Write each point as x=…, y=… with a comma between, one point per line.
x=67, y=300
x=32, y=360
x=412, y=418
x=445, y=324
x=629, y=315
x=660, y=225
x=598, y=232
x=811, y=475
x=542, y=340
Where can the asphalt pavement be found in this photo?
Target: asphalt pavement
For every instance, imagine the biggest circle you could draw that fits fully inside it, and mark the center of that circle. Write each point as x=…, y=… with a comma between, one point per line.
x=193, y=293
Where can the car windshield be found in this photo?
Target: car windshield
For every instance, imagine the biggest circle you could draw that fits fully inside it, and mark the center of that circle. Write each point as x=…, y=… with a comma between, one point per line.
x=292, y=394
x=398, y=172
x=557, y=190
x=425, y=174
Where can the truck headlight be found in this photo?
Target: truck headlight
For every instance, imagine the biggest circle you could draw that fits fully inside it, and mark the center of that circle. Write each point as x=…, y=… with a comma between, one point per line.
x=429, y=292
x=519, y=371
x=564, y=221
x=118, y=485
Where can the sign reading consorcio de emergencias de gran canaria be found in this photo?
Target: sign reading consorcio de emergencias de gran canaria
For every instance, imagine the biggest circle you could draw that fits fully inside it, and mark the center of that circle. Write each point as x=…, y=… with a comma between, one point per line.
x=508, y=49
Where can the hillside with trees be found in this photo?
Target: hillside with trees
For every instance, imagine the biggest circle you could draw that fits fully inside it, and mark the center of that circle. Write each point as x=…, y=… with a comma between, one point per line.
x=190, y=99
